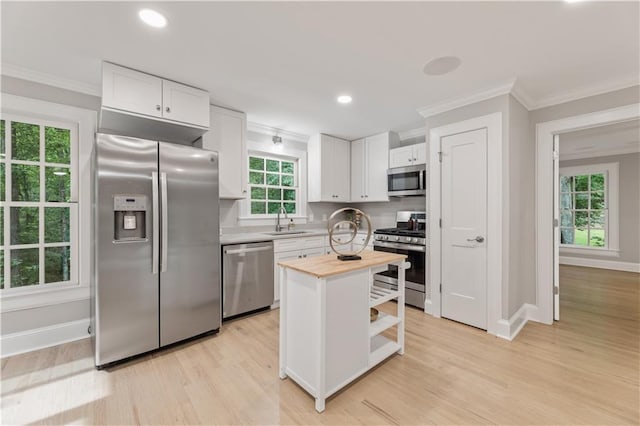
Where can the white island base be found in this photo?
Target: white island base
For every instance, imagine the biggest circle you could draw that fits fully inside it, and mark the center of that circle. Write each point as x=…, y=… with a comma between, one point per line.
x=326, y=338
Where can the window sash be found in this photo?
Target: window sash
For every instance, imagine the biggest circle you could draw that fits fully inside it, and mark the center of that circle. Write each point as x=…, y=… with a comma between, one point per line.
x=7, y=248
x=266, y=186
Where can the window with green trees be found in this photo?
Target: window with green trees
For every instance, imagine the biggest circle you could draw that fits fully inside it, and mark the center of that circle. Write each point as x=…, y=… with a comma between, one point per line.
x=583, y=210
x=273, y=183
x=38, y=209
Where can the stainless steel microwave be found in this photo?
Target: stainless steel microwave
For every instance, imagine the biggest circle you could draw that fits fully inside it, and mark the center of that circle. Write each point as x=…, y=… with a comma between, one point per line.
x=407, y=181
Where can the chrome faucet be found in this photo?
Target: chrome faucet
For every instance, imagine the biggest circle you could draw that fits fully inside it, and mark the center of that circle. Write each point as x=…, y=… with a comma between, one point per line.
x=286, y=216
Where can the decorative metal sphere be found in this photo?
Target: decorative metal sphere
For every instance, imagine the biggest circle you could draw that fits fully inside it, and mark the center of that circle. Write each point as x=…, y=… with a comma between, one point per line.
x=351, y=217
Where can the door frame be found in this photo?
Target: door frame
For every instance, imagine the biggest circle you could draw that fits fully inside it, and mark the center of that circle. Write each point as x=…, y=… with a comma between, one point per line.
x=493, y=124
x=545, y=133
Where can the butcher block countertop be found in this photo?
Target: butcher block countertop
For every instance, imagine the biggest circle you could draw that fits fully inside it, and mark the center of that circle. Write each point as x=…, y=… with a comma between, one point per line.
x=328, y=265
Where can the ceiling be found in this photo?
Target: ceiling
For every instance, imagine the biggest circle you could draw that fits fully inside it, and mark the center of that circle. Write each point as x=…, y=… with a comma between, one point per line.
x=284, y=63
x=619, y=138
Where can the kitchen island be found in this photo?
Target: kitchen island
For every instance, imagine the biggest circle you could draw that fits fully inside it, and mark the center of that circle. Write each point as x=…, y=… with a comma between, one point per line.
x=326, y=337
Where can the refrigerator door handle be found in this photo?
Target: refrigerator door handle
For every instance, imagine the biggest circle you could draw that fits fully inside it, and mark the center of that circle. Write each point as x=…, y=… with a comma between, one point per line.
x=156, y=226
x=165, y=233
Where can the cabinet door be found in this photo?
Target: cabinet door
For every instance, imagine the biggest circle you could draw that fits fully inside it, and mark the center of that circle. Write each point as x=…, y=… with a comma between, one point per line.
x=313, y=252
x=327, y=178
x=420, y=153
x=227, y=135
x=185, y=104
x=401, y=157
x=340, y=170
x=377, y=160
x=358, y=165
x=129, y=90
x=279, y=257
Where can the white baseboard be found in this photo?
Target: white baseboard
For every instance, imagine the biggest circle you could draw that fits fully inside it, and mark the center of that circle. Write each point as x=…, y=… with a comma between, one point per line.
x=39, y=338
x=599, y=263
x=509, y=329
x=428, y=307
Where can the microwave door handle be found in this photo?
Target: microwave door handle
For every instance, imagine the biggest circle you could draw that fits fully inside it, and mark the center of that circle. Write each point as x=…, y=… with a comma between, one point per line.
x=422, y=185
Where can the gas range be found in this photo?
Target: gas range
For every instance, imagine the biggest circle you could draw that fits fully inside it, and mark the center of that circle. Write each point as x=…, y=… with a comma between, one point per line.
x=402, y=233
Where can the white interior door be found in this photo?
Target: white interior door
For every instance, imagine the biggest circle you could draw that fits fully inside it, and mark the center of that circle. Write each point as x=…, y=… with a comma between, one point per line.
x=464, y=227
x=556, y=227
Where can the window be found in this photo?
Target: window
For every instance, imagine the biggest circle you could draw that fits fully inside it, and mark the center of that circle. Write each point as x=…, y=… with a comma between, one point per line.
x=587, y=209
x=38, y=190
x=273, y=183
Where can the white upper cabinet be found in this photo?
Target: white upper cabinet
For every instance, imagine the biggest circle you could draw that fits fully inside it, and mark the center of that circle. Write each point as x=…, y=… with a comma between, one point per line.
x=228, y=136
x=408, y=155
x=369, y=164
x=329, y=169
x=137, y=93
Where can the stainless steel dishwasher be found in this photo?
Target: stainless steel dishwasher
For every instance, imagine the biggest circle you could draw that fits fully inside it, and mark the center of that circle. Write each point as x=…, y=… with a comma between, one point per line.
x=247, y=277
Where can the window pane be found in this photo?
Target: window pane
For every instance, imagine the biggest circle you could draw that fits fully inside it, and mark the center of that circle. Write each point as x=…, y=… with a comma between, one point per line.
x=25, y=141
x=58, y=184
x=24, y=225
x=273, y=179
x=2, y=182
x=2, y=148
x=290, y=207
x=287, y=167
x=289, y=194
x=24, y=267
x=597, y=200
x=565, y=183
x=582, y=201
x=581, y=183
x=566, y=218
x=256, y=178
x=597, y=182
x=273, y=166
x=25, y=183
x=258, y=193
x=57, y=264
x=567, y=235
x=273, y=207
x=57, y=145
x=258, y=207
x=580, y=237
x=275, y=194
x=1, y=269
x=581, y=219
x=56, y=224
x=256, y=163
x=597, y=238
x=287, y=180
x=596, y=219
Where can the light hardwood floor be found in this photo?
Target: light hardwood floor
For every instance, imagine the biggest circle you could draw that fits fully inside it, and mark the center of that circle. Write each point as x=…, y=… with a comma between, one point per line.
x=582, y=370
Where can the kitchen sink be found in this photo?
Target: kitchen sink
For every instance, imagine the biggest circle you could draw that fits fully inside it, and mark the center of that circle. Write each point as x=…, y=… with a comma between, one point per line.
x=287, y=232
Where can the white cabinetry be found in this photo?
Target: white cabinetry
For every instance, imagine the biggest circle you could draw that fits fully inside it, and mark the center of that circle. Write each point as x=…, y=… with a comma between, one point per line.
x=329, y=169
x=228, y=136
x=408, y=155
x=294, y=248
x=369, y=163
x=129, y=95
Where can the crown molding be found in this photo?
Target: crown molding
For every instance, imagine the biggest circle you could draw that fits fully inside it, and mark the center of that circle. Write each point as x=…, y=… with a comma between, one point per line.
x=479, y=96
x=16, y=71
x=587, y=91
x=413, y=133
x=273, y=131
x=634, y=149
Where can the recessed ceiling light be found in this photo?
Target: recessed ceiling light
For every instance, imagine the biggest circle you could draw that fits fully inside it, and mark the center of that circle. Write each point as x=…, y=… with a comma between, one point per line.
x=442, y=65
x=344, y=99
x=152, y=18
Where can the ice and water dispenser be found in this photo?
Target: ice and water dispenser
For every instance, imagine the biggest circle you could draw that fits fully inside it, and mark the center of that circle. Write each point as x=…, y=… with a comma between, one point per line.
x=130, y=214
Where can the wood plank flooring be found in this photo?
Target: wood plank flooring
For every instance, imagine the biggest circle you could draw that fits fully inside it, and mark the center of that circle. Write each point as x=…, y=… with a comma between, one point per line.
x=582, y=370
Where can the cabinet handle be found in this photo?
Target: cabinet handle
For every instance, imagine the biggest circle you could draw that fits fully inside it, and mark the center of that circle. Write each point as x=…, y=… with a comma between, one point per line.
x=167, y=109
x=408, y=159
x=304, y=255
x=158, y=107
x=414, y=159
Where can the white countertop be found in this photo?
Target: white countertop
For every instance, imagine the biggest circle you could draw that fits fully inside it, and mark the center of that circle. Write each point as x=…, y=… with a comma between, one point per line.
x=253, y=237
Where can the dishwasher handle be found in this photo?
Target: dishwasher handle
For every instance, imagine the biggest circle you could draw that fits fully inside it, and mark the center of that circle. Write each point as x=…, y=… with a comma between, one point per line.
x=248, y=250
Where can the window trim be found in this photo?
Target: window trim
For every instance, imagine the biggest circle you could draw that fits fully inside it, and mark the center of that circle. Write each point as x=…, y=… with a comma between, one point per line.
x=85, y=122
x=613, y=219
x=244, y=217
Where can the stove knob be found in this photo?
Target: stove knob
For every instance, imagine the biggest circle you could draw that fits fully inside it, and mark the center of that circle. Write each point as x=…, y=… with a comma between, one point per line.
x=396, y=238
x=414, y=240
x=386, y=237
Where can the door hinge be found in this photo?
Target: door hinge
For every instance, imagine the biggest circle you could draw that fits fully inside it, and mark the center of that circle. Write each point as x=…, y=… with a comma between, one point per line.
x=556, y=290
x=440, y=287
x=555, y=223
x=440, y=222
x=556, y=155
x=440, y=156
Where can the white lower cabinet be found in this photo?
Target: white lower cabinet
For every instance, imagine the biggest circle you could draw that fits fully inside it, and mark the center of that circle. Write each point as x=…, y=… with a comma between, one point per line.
x=293, y=248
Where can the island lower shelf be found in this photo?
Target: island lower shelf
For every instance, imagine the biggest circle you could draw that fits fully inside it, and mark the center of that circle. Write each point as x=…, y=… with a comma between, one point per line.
x=326, y=337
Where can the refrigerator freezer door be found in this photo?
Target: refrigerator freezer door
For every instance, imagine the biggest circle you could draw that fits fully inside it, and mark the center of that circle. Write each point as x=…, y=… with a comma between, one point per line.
x=189, y=277
x=126, y=293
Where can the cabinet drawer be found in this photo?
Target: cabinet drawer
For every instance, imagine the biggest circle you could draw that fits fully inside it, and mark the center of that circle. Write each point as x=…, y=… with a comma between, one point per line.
x=289, y=244
x=312, y=242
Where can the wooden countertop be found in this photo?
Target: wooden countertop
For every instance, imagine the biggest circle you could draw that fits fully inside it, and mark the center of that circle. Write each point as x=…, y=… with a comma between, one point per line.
x=327, y=265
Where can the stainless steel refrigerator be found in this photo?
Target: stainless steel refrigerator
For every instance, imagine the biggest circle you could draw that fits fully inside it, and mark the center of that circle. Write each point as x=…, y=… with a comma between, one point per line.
x=157, y=248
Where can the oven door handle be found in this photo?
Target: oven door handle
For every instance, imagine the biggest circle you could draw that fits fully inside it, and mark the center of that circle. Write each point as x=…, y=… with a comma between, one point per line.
x=409, y=247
